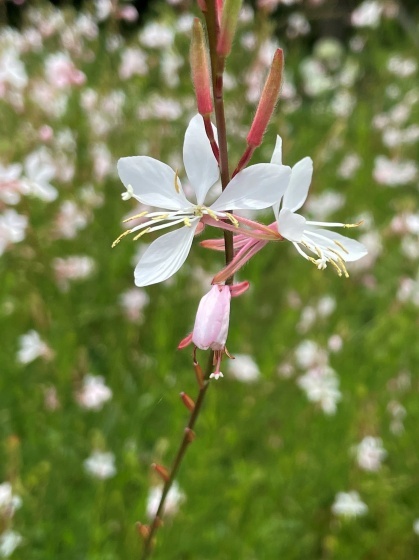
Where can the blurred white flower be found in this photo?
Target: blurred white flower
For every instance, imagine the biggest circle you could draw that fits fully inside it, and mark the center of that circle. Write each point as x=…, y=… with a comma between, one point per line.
x=349, y=166
x=321, y=385
x=9, y=502
x=94, y=392
x=103, y=9
x=69, y=220
x=174, y=499
x=416, y=526
x=335, y=343
x=133, y=63
x=12, y=228
x=72, y=268
x=12, y=70
x=156, y=36
x=9, y=541
x=393, y=173
x=322, y=205
x=402, y=67
x=133, y=302
x=349, y=504
x=309, y=354
x=61, y=72
x=367, y=14
x=244, y=368
x=298, y=25
x=101, y=465
x=370, y=453
x=31, y=347
x=39, y=169
x=10, y=187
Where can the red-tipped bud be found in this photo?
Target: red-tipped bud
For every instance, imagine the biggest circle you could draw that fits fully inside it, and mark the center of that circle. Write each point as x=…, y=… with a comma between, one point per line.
x=187, y=401
x=267, y=101
x=190, y=435
x=202, y=5
x=229, y=17
x=199, y=374
x=185, y=342
x=161, y=471
x=143, y=530
x=200, y=69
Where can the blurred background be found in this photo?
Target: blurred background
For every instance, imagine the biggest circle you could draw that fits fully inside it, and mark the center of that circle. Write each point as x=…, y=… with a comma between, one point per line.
x=307, y=448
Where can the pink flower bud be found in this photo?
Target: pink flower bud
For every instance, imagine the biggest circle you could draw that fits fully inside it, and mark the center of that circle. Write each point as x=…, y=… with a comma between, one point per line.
x=212, y=319
x=229, y=17
x=200, y=69
x=267, y=101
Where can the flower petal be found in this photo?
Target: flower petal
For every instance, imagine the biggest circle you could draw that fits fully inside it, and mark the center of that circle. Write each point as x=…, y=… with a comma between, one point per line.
x=297, y=190
x=200, y=163
x=324, y=238
x=153, y=182
x=256, y=187
x=291, y=226
x=277, y=153
x=165, y=256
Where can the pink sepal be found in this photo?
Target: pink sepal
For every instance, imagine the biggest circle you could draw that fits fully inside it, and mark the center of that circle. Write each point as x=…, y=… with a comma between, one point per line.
x=185, y=342
x=239, y=289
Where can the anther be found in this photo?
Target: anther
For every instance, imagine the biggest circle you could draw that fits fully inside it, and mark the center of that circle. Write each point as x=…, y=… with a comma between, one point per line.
x=140, y=215
x=339, y=244
x=177, y=187
x=146, y=230
x=232, y=219
x=118, y=239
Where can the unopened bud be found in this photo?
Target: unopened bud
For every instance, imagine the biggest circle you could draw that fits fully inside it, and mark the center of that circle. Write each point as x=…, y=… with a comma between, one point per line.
x=161, y=471
x=143, y=530
x=229, y=17
x=200, y=69
x=202, y=5
x=199, y=374
x=267, y=101
x=190, y=435
x=187, y=401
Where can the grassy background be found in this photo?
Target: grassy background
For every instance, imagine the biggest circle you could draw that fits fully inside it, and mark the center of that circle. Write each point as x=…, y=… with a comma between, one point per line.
x=263, y=473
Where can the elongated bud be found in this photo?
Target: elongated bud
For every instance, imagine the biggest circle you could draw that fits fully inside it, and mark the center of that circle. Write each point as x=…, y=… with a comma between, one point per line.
x=229, y=17
x=199, y=374
x=190, y=435
x=200, y=69
x=267, y=101
x=187, y=401
x=143, y=530
x=161, y=471
x=202, y=5
x=239, y=288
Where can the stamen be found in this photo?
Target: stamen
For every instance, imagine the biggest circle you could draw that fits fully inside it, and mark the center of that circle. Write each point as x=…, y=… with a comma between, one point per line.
x=339, y=244
x=140, y=215
x=340, y=261
x=177, y=186
x=338, y=270
x=232, y=219
x=187, y=222
x=213, y=214
x=353, y=225
x=161, y=217
x=118, y=239
x=146, y=230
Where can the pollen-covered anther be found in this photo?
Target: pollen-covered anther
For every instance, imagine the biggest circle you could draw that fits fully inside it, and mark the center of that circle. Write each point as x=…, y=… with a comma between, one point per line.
x=187, y=222
x=177, y=186
x=212, y=214
x=340, y=261
x=118, y=239
x=160, y=217
x=341, y=246
x=146, y=230
x=353, y=225
x=232, y=219
x=140, y=215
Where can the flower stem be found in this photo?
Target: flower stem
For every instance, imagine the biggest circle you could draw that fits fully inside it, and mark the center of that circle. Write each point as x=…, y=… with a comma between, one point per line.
x=184, y=444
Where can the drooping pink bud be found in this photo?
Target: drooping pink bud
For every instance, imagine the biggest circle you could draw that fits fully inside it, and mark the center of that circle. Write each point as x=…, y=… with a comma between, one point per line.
x=212, y=319
x=267, y=101
x=229, y=18
x=200, y=69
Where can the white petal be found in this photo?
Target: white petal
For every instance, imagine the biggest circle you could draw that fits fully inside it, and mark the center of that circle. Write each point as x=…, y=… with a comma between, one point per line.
x=256, y=187
x=355, y=249
x=165, y=256
x=291, y=226
x=277, y=153
x=153, y=182
x=200, y=164
x=297, y=190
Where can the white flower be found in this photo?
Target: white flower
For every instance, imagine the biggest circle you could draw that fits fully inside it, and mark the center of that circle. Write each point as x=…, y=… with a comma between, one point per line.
x=174, y=499
x=31, y=346
x=367, y=14
x=416, y=526
x=370, y=453
x=101, y=465
x=9, y=502
x=349, y=504
x=94, y=392
x=244, y=368
x=328, y=247
x=321, y=386
x=9, y=541
x=12, y=228
x=39, y=170
x=154, y=183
